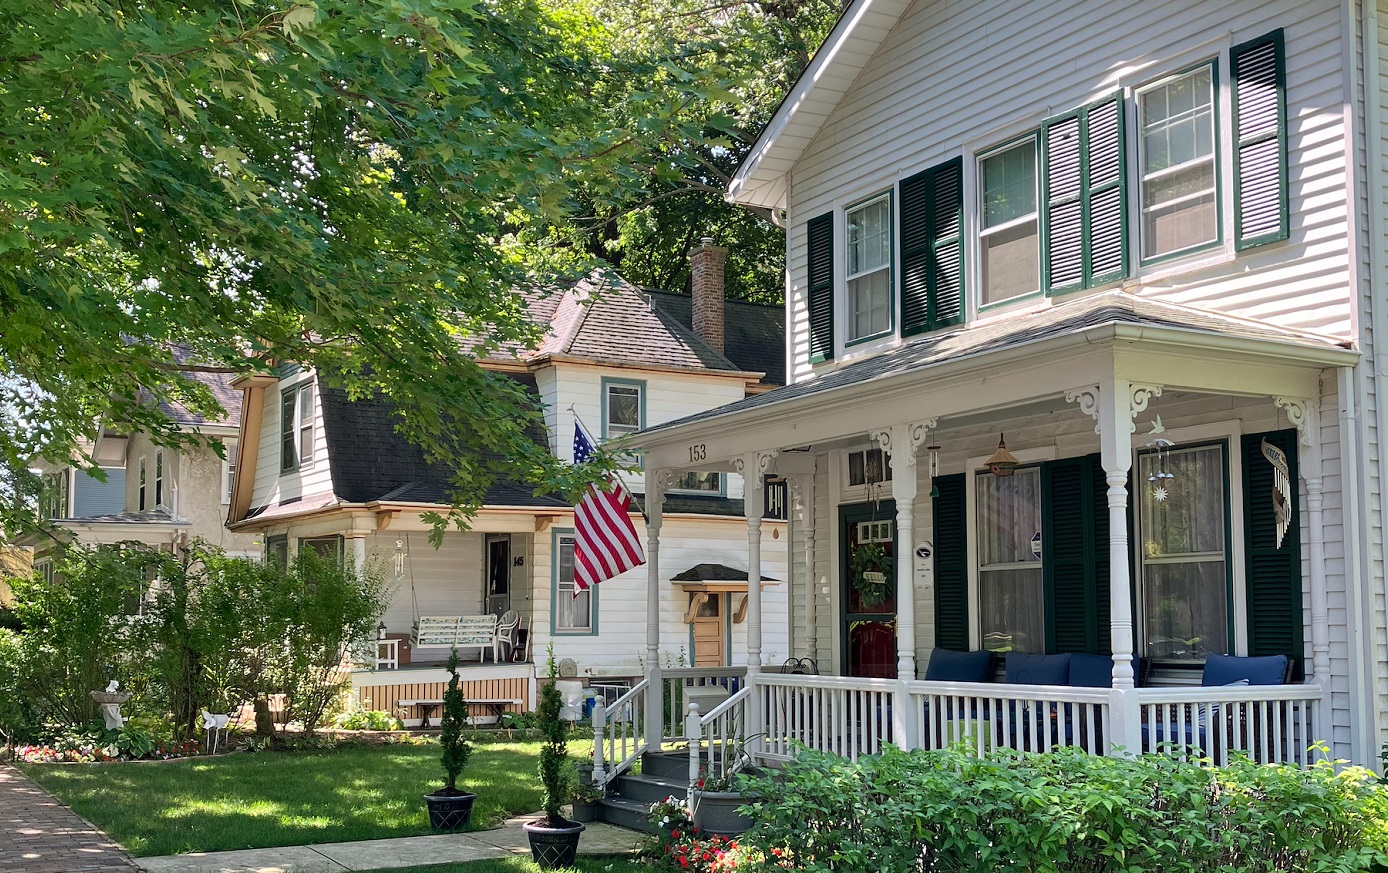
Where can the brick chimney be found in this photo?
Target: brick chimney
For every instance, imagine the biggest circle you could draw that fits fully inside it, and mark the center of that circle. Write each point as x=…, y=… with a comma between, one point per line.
x=706, y=267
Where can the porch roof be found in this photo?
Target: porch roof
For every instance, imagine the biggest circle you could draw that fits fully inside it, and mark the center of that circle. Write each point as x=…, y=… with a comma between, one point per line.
x=1052, y=335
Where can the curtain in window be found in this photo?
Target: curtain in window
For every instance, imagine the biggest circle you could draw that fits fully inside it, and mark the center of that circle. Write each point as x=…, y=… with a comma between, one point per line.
x=1011, y=585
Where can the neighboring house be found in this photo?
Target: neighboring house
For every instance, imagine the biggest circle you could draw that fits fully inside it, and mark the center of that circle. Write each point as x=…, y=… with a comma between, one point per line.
x=156, y=495
x=1146, y=244
x=322, y=471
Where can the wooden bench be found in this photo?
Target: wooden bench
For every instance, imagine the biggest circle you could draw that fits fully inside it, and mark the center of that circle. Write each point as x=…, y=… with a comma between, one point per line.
x=497, y=706
x=457, y=631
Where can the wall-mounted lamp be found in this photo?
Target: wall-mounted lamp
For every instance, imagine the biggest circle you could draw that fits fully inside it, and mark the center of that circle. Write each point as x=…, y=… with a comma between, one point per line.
x=1003, y=462
x=381, y=631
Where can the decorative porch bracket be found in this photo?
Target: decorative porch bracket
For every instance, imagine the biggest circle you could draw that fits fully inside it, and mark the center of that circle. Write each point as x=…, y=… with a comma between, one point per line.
x=1305, y=415
x=657, y=481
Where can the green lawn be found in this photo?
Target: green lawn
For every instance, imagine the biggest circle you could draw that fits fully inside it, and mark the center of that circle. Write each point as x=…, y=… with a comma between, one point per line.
x=246, y=801
x=521, y=864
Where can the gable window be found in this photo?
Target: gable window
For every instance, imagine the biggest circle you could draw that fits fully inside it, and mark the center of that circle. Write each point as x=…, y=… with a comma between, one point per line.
x=232, y=448
x=1009, y=232
x=1184, y=552
x=571, y=614
x=696, y=481
x=623, y=408
x=159, y=495
x=1176, y=149
x=868, y=467
x=869, y=268
x=1010, y=572
x=296, y=428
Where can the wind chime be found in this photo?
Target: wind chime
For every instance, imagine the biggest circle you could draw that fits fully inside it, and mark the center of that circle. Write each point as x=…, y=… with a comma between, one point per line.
x=1159, y=477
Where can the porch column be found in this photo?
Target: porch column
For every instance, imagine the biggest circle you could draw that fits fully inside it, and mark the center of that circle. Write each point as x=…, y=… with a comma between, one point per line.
x=899, y=445
x=656, y=481
x=358, y=542
x=753, y=466
x=804, y=486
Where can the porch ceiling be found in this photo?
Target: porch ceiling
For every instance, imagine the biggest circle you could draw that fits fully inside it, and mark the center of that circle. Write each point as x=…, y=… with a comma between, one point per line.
x=1106, y=337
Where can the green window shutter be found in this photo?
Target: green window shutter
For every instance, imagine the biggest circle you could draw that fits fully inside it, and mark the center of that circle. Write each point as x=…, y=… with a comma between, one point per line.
x=951, y=564
x=820, y=241
x=1261, y=213
x=1075, y=542
x=1086, y=231
x=931, y=229
x=1098, y=489
x=1273, y=573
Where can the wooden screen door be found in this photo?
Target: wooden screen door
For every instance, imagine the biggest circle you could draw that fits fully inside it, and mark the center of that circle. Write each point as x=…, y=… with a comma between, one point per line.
x=709, y=627
x=868, y=599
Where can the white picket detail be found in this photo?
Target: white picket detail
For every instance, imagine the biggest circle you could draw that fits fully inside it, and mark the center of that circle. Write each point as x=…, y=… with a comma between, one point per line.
x=1272, y=724
x=990, y=716
x=619, y=733
x=842, y=715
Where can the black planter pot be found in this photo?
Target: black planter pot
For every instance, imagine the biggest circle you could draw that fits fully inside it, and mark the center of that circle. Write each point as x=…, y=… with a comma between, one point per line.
x=449, y=813
x=553, y=848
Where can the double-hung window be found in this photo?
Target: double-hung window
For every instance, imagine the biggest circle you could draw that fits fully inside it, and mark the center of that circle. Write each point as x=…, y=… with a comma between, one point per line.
x=622, y=402
x=296, y=428
x=160, y=497
x=232, y=448
x=869, y=268
x=573, y=614
x=1009, y=236
x=697, y=481
x=1184, y=552
x=142, y=503
x=1010, y=579
x=1176, y=146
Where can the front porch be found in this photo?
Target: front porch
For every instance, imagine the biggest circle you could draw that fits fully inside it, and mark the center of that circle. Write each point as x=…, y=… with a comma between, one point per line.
x=1143, y=517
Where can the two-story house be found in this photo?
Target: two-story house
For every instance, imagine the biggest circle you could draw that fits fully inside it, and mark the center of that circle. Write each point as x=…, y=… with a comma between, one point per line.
x=324, y=471
x=1143, y=246
x=156, y=495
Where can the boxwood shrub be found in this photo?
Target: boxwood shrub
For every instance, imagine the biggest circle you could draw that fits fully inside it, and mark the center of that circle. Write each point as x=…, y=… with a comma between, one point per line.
x=1063, y=811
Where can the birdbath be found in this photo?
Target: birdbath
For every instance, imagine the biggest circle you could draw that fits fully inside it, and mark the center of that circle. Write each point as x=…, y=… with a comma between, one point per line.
x=110, y=707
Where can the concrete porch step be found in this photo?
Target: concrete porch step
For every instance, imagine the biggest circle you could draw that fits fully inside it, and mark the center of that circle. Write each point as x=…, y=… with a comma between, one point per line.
x=648, y=789
x=625, y=813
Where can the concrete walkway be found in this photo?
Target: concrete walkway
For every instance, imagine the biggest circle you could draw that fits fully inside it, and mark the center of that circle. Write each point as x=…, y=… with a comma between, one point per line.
x=598, y=839
x=40, y=835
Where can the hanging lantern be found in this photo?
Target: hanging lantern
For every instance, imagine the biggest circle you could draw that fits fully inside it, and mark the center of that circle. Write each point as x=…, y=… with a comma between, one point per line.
x=1003, y=462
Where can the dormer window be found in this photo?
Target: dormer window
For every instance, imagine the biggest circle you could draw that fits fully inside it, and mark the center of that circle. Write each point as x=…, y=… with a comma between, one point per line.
x=296, y=428
x=869, y=268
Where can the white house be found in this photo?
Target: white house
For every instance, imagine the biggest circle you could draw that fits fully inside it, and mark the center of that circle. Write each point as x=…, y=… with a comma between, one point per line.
x=320, y=470
x=1145, y=244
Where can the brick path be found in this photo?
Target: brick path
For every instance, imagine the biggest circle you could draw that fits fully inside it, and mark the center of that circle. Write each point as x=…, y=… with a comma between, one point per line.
x=40, y=835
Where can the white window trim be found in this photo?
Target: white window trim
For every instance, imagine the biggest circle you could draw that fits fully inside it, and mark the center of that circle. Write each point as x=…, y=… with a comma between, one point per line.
x=162, y=482
x=569, y=630
x=228, y=468
x=973, y=207
x=309, y=383
x=873, y=341
x=860, y=493
x=720, y=490
x=141, y=483
x=311, y=426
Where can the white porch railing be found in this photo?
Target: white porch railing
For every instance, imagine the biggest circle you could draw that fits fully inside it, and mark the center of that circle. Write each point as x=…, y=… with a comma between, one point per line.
x=853, y=717
x=704, y=684
x=619, y=733
x=1268, y=723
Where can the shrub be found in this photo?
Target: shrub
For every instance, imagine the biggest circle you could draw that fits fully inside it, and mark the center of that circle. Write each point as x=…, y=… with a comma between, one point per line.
x=369, y=720
x=554, y=753
x=1065, y=810
x=456, y=749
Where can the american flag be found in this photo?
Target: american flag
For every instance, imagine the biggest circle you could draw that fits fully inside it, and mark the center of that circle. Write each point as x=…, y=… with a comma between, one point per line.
x=605, y=541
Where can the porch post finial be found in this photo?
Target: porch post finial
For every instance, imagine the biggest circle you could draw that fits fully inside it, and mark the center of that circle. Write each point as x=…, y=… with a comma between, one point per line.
x=657, y=480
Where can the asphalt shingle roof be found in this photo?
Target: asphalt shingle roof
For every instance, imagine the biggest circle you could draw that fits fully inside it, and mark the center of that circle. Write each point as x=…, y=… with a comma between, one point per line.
x=754, y=336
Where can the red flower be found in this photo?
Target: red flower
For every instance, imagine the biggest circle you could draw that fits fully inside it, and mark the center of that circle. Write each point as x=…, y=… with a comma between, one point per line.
x=684, y=862
x=674, y=835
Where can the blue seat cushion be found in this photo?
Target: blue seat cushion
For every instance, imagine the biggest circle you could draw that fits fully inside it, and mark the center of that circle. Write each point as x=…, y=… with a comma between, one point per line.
x=947, y=665
x=1025, y=669
x=1226, y=669
x=1091, y=671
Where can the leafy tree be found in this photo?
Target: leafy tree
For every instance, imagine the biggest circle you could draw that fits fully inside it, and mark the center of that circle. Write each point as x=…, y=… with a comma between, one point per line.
x=354, y=185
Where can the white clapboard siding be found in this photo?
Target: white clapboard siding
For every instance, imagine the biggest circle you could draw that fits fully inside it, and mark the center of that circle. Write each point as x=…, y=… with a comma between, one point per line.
x=443, y=581
x=271, y=487
x=996, y=68
x=1372, y=282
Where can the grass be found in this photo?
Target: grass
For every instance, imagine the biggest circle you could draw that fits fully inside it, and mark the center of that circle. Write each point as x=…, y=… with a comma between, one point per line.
x=521, y=864
x=249, y=801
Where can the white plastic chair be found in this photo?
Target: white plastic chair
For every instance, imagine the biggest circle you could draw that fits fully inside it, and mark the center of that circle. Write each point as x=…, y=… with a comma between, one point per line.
x=506, y=628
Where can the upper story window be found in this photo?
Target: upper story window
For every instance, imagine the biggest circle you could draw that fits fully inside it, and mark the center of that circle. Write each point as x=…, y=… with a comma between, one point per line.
x=624, y=407
x=1176, y=151
x=161, y=495
x=869, y=268
x=55, y=494
x=233, y=450
x=1009, y=247
x=296, y=428
x=142, y=499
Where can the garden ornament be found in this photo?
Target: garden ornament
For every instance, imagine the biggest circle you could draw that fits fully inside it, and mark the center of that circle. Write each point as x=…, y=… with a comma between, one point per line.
x=216, y=727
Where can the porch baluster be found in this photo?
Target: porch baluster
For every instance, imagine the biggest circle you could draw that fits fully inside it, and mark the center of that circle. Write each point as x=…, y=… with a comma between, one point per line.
x=599, y=722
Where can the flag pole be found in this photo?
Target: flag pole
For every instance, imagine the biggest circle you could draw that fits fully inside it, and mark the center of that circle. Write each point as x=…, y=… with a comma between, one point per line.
x=641, y=506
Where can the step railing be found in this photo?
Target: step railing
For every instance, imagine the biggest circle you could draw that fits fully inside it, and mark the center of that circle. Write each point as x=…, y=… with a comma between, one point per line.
x=619, y=733
x=1272, y=724
x=717, y=738
x=677, y=683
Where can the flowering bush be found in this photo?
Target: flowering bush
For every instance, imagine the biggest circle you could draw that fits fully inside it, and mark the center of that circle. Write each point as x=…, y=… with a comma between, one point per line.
x=680, y=846
x=91, y=750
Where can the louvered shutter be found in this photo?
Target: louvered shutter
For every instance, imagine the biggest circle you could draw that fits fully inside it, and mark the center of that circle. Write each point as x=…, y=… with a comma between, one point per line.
x=1103, y=610
x=819, y=233
x=1273, y=574
x=1069, y=573
x=931, y=230
x=1261, y=212
x=951, y=564
x=1086, y=236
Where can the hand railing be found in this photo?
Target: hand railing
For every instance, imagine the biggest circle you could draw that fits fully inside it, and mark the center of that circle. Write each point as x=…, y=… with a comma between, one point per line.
x=619, y=733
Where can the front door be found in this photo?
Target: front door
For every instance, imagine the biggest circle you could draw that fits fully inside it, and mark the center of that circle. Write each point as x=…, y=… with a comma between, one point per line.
x=868, y=589
x=707, y=625
x=498, y=574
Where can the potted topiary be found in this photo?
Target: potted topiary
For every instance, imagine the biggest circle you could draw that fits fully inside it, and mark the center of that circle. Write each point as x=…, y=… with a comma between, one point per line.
x=450, y=808
x=553, y=839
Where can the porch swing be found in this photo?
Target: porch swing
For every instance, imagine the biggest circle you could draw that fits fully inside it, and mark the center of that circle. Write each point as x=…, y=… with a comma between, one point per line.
x=447, y=632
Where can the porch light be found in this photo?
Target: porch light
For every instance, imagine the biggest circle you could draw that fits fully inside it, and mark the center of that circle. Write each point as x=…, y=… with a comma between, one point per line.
x=381, y=631
x=1003, y=462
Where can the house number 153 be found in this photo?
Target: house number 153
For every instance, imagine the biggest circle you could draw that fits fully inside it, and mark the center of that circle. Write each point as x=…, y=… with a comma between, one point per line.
x=697, y=452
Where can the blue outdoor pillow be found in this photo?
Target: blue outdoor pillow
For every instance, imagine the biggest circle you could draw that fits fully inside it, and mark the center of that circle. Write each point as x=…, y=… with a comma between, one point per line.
x=1025, y=669
x=1226, y=669
x=947, y=665
x=1091, y=671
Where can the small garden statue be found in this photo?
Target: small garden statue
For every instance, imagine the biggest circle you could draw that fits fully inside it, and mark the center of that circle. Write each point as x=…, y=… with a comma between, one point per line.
x=450, y=808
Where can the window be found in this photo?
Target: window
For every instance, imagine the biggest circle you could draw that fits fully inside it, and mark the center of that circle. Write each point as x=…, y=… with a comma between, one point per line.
x=277, y=550
x=1011, y=582
x=1009, y=235
x=55, y=495
x=232, y=448
x=142, y=501
x=329, y=547
x=1176, y=148
x=1183, y=553
x=869, y=310
x=296, y=428
x=696, y=481
x=623, y=408
x=868, y=467
x=159, y=501
x=572, y=615
x=46, y=570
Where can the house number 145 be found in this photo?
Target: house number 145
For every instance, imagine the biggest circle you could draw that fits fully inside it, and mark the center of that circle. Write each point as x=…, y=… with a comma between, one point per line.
x=697, y=452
